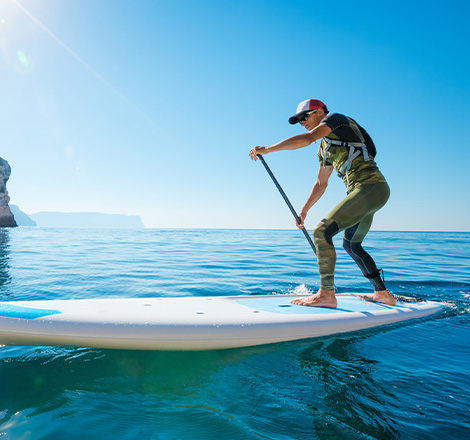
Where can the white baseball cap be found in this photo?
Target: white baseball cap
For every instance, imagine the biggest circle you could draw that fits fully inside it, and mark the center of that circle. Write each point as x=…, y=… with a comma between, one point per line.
x=306, y=106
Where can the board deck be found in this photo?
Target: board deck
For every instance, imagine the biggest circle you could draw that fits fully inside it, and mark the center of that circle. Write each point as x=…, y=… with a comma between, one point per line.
x=192, y=323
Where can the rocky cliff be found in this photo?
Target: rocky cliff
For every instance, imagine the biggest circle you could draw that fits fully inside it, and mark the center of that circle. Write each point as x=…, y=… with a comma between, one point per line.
x=6, y=217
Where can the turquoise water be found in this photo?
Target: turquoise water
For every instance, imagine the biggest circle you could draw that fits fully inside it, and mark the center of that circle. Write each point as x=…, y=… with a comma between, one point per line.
x=405, y=381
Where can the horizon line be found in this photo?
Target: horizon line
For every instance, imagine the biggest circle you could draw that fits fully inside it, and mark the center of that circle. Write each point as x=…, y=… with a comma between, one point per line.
x=221, y=228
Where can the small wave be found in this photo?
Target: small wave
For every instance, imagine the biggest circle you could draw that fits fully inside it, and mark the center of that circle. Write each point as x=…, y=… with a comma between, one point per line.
x=302, y=289
x=454, y=308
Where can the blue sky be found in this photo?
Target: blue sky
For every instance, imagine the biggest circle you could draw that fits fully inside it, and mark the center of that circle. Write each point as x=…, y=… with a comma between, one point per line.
x=151, y=107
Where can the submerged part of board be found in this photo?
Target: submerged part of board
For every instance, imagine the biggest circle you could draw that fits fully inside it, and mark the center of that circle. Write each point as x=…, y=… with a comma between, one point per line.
x=191, y=323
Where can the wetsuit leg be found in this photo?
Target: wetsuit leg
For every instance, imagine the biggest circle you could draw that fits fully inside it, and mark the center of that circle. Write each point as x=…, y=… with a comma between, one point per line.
x=352, y=243
x=326, y=255
x=357, y=206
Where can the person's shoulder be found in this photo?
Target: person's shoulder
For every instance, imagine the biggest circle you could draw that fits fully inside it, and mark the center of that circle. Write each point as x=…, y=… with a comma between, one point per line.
x=330, y=116
x=334, y=120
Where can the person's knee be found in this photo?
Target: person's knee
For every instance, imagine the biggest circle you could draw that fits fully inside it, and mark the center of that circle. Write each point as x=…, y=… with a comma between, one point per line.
x=325, y=231
x=319, y=232
x=353, y=249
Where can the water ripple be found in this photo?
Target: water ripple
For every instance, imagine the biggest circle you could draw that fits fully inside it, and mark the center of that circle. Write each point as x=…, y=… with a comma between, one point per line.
x=400, y=381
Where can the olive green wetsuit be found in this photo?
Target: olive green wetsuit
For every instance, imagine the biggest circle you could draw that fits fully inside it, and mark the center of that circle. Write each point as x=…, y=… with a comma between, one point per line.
x=351, y=151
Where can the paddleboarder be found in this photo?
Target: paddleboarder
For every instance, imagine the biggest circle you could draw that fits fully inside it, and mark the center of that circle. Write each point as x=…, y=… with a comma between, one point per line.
x=347, y=148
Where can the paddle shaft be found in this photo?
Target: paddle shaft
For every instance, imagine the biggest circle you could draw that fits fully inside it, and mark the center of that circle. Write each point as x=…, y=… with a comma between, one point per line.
x=289, y=204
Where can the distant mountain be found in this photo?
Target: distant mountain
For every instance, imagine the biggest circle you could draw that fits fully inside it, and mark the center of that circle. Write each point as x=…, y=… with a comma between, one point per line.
x=21, y=218
x=86, y=220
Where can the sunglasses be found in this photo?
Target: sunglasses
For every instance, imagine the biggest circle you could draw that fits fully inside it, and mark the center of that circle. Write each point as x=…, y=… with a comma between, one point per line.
x=305, y=116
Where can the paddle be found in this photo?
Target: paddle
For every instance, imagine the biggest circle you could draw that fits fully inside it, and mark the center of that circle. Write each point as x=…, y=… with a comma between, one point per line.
x=283, y=194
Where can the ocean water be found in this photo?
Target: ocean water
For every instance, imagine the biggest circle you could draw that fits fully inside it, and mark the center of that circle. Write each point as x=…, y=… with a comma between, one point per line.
x=404, y=381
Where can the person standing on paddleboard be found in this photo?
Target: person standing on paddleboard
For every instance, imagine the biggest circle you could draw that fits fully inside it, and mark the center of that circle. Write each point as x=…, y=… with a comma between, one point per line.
x=348, y=149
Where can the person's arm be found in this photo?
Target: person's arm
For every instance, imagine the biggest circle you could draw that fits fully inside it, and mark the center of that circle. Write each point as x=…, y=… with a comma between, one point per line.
x=318, y=190
x=294, y=142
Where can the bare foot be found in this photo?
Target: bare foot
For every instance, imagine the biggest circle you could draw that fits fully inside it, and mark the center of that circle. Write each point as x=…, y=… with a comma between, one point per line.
x=323, y=298
x=382, y=296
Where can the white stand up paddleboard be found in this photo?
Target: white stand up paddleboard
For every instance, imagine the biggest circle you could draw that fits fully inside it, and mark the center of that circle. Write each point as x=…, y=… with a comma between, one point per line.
x=191, y=323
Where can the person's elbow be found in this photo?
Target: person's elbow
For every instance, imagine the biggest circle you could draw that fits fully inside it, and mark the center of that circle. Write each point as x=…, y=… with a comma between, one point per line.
x=310, y=138
x=321, y=185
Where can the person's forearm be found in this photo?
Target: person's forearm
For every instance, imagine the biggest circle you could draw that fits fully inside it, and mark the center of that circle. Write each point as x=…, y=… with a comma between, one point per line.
x=317, y=191
x=292, y=143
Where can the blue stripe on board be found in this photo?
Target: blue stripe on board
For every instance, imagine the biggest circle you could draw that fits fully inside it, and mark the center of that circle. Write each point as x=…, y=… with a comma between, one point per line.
x=12, y=311
x=285, y=307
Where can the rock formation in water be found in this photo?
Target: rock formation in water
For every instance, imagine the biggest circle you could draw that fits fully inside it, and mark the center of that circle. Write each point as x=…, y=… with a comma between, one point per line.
x=6, y=217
